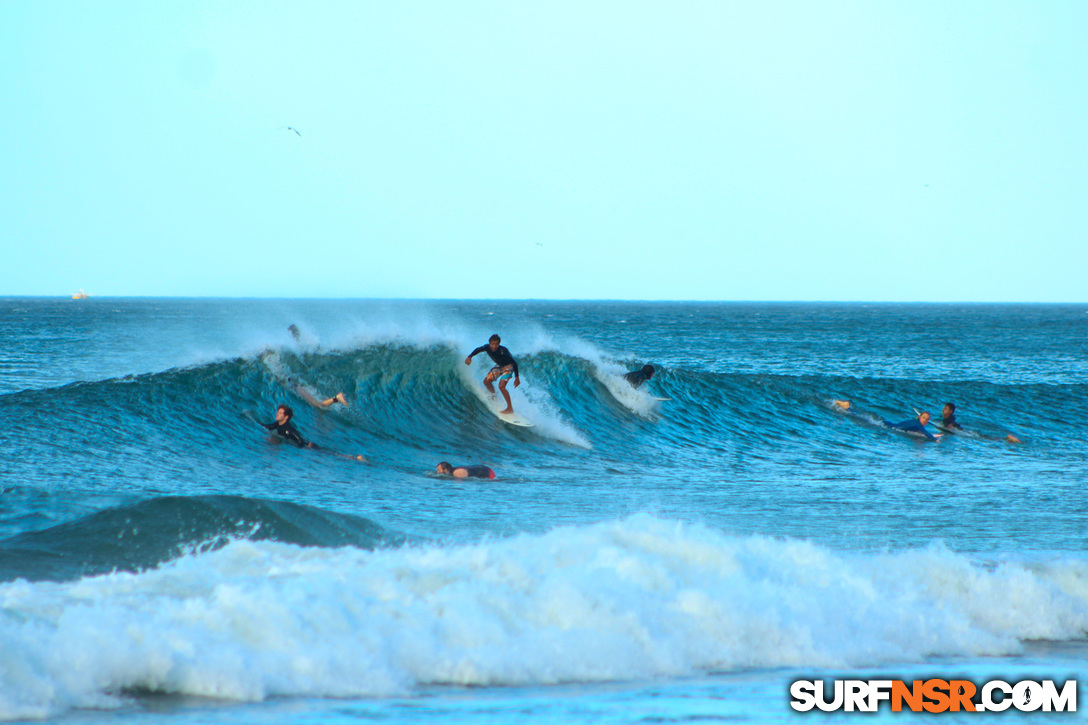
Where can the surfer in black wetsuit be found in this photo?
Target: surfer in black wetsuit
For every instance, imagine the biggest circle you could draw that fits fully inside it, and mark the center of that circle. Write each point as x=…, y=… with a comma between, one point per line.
x=448, y=469
x=505, y=366
x=285, y=429
x=948, y=417
x=949, y=423
x=638, y=377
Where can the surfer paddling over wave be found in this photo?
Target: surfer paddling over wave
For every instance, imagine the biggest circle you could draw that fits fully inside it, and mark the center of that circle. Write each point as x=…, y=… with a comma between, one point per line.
x=949, y=424
x=285, y=429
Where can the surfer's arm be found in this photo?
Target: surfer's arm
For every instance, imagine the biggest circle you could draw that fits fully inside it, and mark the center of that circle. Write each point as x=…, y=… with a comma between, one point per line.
x=474, y=353
x=919, y=428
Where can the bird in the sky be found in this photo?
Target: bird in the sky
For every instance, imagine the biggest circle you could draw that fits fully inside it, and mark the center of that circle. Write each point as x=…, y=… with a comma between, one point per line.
x=291, y=128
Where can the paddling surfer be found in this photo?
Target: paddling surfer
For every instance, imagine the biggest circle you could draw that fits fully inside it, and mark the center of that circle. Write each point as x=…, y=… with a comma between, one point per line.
x=446, y=468
x=913, y=425
x=950, y=424
x=916, y=426
x=285, y=429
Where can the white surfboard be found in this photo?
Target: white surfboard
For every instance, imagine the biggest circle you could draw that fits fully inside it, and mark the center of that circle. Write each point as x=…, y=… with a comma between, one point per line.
x=494, y=404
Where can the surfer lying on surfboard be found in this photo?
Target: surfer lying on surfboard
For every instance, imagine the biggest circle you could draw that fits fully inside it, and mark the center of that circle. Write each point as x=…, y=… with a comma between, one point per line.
x=285, y=429
x=505, y=366
x=448, y=469
x=916, y=426
x=949, y=424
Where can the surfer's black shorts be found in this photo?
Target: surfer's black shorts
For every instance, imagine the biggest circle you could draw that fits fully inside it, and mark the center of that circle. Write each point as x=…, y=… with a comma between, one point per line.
x=501, y=372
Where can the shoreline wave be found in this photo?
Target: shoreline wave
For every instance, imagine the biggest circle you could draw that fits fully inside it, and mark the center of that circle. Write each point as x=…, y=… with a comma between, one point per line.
x=636, y=598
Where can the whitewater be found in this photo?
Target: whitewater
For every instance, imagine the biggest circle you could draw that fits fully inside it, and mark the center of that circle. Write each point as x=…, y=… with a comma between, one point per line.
x=634, y=560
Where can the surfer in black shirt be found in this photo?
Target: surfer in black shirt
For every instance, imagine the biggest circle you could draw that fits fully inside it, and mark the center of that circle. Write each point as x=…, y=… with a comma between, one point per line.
x=448, y=469
x=285, y=429
x=505, y=366
x=949, y=423
x=948, y=417
x=638, y=377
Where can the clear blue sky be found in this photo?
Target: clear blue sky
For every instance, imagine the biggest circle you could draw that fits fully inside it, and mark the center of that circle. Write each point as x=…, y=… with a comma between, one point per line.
x=921, y=151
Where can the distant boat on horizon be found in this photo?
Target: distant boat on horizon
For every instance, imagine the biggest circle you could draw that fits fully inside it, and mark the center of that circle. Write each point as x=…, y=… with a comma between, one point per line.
x=80, y=295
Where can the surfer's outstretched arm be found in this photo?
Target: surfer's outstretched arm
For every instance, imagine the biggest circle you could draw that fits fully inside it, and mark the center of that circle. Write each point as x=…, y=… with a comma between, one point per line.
x=474, y=353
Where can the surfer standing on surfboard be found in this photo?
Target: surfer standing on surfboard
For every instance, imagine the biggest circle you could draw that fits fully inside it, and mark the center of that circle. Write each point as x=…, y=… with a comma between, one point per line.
x=505, y=366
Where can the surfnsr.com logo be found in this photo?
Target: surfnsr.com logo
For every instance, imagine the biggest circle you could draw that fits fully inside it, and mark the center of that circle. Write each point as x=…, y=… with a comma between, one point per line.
x=934, y=695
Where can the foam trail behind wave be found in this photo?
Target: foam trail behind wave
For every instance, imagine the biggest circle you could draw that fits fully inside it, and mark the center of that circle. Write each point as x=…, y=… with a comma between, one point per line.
x=636, y=598
x=534, y=403
x=605, y=369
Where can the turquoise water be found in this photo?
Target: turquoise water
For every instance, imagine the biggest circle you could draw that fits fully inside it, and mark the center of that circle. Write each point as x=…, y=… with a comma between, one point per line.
x=635, y=560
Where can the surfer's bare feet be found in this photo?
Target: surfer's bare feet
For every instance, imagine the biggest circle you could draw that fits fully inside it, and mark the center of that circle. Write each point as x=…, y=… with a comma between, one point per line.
x=508, y=411
x=342, y=399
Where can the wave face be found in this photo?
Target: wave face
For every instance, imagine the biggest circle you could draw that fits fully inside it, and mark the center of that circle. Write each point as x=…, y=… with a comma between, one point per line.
x=191, y=432
x=637, y=598
x=143, y=535
x=746, y=521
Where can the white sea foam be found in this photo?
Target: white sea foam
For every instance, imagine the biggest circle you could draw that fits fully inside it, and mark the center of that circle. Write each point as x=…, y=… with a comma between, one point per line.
x=638, y=401
x=636, y=598
x=533, y=403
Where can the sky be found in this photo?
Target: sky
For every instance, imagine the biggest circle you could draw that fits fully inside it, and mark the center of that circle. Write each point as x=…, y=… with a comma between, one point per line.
x=816, y=151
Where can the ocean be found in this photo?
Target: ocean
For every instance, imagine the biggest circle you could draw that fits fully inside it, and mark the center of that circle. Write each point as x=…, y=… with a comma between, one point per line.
x=635, y=560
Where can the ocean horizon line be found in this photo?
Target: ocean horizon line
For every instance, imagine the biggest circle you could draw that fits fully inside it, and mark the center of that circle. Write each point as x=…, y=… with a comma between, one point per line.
x=240, y=298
